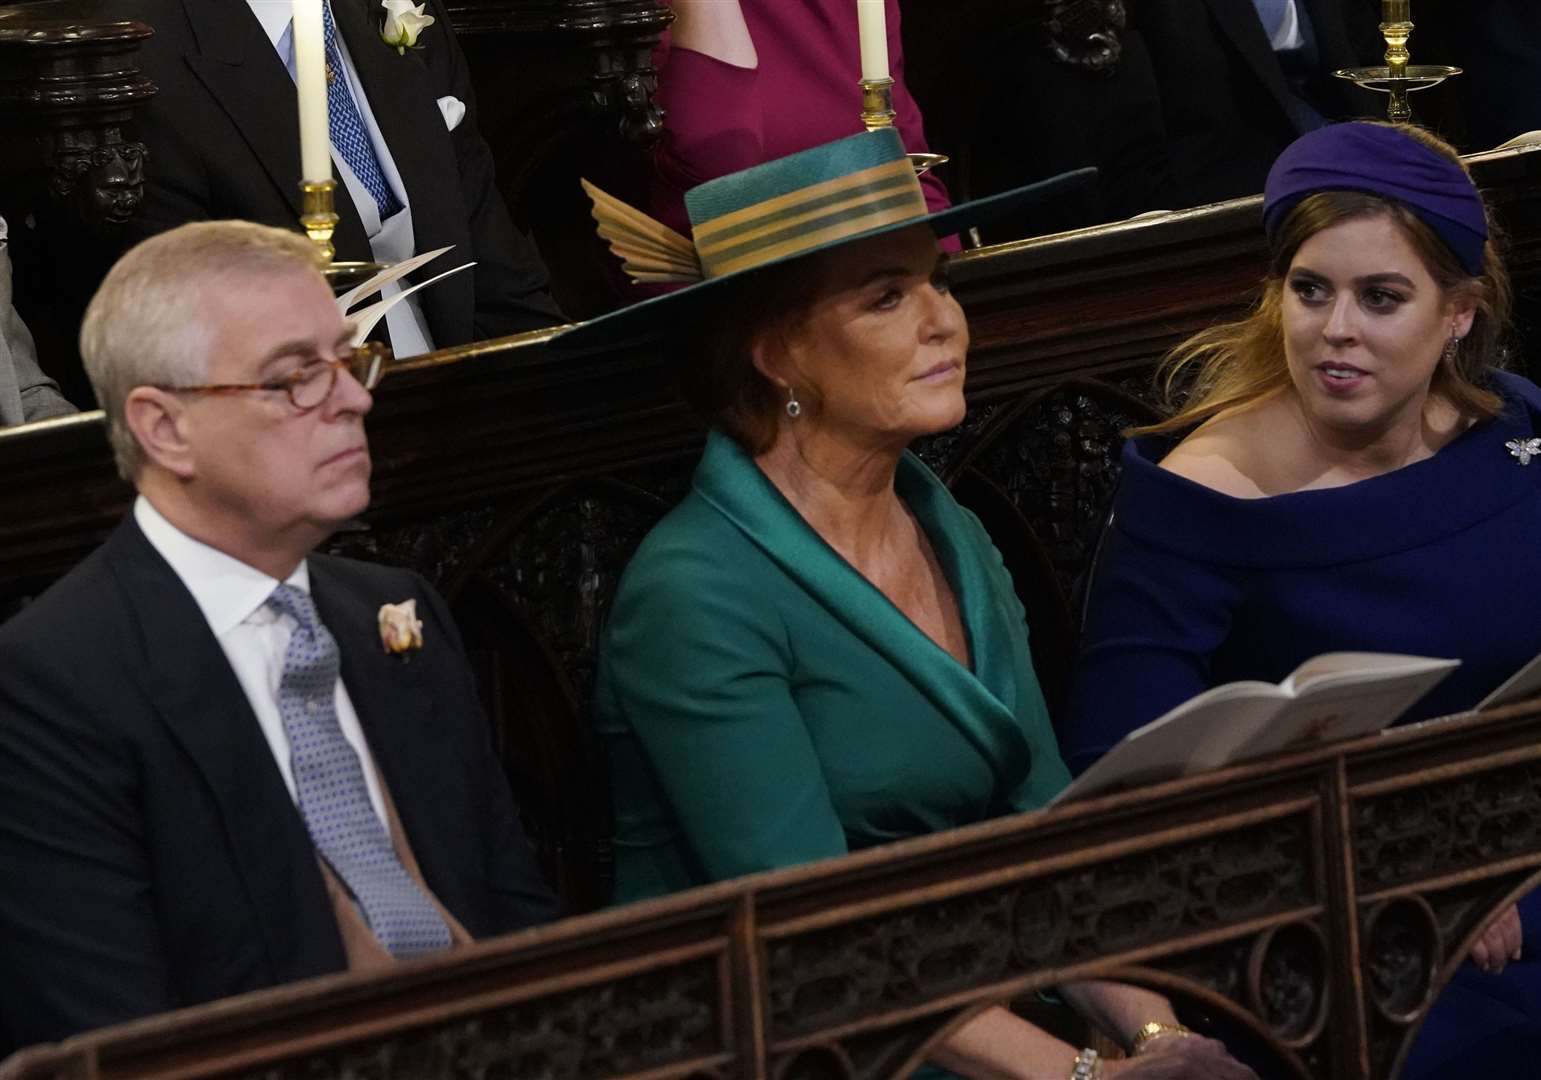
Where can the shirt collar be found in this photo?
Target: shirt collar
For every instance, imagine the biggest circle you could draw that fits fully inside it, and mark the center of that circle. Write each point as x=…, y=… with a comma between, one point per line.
x=226, y=590
x=274, y=15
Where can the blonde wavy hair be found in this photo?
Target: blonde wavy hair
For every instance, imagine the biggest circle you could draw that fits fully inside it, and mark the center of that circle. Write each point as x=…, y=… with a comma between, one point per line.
x=1237, y=363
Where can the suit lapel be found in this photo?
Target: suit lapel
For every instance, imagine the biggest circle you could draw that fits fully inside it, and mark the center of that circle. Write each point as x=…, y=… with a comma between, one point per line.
x=186, y=677
x=243, y=73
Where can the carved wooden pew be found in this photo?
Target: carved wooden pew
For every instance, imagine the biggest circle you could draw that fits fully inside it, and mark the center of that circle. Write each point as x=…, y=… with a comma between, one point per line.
x=520, y=481
x=1318, y=899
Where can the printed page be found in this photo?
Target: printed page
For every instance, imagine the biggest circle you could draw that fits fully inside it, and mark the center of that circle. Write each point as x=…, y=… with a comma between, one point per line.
x=1349, y=705
x=1200, y=734
x=1524, y=683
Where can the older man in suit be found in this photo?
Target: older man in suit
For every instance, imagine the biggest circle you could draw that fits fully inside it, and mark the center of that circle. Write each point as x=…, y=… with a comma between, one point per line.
x=414, y=172
x=217, y=775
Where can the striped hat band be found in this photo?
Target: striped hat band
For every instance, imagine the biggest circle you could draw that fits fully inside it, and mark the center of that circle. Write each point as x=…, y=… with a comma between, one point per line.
x=807, y=218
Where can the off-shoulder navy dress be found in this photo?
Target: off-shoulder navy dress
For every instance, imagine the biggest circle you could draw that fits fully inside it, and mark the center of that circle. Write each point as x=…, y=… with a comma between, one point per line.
x=1194, y=588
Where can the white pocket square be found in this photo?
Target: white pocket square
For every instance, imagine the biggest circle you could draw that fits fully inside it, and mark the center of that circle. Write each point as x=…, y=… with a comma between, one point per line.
x=454, y=111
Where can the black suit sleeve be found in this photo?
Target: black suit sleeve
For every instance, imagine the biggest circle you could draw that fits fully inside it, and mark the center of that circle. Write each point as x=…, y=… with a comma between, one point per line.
x=511, y=281
x=519, y=892
x=80, y=943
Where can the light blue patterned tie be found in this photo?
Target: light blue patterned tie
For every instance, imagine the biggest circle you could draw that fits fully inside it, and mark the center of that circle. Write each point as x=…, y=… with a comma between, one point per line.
x=347, y=126
x=334, y=800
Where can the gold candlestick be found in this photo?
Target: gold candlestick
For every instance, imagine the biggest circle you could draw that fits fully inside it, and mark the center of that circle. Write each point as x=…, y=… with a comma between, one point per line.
x=1396, y=27
x=877, y=111
x=319, y=217
x=877, y=103
x=1398, y=78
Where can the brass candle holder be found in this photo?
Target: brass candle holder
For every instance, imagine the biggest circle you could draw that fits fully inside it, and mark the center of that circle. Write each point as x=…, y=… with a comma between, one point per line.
x=319, y=219
x=1398, y=78
x=877, y=111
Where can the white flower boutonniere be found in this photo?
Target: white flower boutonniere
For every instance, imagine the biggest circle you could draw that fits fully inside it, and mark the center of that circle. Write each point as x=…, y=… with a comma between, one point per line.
x=400, y=628
x=404, y=20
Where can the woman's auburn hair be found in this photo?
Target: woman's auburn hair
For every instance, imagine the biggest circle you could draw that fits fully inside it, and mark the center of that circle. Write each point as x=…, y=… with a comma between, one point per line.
x=1238, y=363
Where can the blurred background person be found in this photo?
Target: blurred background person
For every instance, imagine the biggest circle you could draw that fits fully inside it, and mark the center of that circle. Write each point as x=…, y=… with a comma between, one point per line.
x=26, y=394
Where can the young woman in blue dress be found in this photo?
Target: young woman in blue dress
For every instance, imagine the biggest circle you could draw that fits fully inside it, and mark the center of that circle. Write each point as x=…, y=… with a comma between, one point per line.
x=1349, y=472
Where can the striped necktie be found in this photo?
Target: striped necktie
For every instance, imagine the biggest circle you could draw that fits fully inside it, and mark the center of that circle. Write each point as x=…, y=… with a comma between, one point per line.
x=347, y=126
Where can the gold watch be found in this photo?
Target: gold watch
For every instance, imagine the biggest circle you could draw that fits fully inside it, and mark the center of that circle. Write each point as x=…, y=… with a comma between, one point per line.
x=1155, y=1029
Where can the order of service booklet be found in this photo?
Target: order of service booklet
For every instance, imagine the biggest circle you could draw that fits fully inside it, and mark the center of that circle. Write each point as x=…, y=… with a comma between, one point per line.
x=1329, y=697
x=1524, y=683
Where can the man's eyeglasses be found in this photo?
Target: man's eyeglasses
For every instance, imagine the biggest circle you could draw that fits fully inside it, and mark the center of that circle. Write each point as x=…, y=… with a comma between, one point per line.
x=310, y=385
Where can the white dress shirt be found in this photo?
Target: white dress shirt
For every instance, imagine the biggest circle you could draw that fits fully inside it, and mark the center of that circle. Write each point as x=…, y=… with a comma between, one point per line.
x=391, y=240
x=233, y=599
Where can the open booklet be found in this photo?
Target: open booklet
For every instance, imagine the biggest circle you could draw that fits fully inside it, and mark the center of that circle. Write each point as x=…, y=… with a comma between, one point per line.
x=1329, y=697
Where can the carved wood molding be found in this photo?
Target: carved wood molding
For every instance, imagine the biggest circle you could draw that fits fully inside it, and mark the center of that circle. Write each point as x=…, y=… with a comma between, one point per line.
x=1319, y=899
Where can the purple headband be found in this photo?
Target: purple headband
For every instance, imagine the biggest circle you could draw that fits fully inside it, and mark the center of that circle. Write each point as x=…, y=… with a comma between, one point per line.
x=1382, y=161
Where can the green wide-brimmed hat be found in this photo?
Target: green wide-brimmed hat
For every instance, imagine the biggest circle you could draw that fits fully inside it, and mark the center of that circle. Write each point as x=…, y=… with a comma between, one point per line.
x=785, y=209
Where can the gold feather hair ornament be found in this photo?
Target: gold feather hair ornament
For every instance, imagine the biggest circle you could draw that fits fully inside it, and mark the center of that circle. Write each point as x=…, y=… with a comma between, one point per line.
x=649, y=250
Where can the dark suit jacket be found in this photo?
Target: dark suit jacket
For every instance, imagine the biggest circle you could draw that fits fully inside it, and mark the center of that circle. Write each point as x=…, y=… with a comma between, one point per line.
x=153, y=857
x=1227, y=104
x=223, y=140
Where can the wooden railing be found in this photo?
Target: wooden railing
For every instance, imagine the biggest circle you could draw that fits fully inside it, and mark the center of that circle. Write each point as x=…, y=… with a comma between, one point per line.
x=1317, y=900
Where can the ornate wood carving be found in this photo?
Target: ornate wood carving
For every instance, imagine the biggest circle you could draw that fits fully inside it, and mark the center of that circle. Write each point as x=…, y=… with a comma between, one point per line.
x=69, y=86
x=1085, y=33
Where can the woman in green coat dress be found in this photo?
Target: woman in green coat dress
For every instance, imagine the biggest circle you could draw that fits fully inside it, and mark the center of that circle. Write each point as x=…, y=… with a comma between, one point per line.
x=819, y=650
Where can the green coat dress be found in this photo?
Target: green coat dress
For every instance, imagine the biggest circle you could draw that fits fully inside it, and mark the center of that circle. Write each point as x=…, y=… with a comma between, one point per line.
x=763, y=705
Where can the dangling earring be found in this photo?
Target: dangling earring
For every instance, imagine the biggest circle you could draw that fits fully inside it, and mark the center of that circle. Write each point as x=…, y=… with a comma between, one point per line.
x=1452, y=347
x=794, y=407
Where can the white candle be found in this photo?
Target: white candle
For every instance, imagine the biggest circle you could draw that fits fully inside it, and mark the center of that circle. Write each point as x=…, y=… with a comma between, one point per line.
x=310, y=82
x=872, y=29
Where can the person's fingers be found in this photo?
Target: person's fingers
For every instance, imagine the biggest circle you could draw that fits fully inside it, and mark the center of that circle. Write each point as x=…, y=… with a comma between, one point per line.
x=1479, y=952
x=1513, y=933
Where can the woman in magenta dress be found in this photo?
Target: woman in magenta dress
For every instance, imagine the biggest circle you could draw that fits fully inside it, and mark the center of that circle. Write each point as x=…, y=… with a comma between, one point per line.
x=746, y=81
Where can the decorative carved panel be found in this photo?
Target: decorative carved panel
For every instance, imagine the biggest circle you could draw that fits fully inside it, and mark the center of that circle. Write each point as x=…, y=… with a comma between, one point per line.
x=905, y=958
x=626, y=1026
x=1442, y=829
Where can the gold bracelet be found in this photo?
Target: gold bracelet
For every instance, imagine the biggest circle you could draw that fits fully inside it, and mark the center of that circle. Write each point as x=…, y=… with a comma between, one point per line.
x=1153, y=1030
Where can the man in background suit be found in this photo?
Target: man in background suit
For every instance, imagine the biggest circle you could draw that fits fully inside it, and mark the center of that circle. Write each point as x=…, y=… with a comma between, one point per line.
x=217, y=778
x=223, y=142
x=1239, y=80
x=26, y=394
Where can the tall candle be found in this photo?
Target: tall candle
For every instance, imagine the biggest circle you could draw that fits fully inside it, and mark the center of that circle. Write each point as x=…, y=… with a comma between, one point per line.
x=872, y=29
x=1395, y=11
x=310, y=83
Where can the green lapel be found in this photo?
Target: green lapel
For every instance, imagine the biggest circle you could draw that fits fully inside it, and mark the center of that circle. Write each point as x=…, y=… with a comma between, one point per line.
x=982, y=704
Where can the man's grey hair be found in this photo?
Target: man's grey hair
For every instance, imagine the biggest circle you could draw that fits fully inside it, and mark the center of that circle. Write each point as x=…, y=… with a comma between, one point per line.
x=151, y=322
